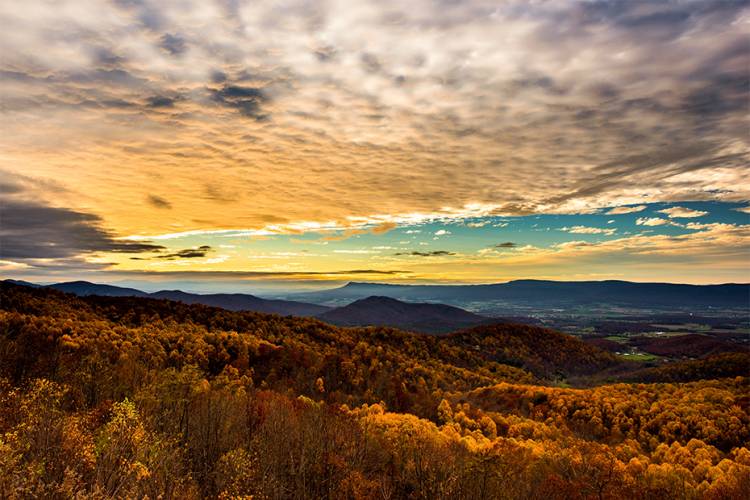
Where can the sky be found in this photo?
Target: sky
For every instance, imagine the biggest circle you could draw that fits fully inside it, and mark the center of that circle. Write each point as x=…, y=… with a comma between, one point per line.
x=264, y=146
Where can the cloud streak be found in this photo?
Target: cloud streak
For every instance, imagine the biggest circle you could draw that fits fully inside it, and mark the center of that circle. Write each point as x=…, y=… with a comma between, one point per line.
x=434, y=253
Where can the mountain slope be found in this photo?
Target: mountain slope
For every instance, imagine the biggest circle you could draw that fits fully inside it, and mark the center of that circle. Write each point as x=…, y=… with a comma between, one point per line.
x=544, y=352
x=542, y=293
x=243, y=302
x=385, y=311
x=484, y=354
x=233, y=301
x=85, y=288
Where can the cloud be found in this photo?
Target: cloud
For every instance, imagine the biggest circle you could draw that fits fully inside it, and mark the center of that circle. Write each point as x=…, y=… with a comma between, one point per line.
x=681, y=212
x=30, y=230
x=232, y=275
x=158, y=201
x=507, y=244
x=383, y=228
x=588, y=230
x=651, y=221
x=247, y=100
x=626, y=210
x=360, y=251
x=479, y=224
x=434, y=253
x=173, y=44
x=442, y=232
x=743, y=209
x=180, y=93
x=714, y=253
x=188, y=253
x=161, y=102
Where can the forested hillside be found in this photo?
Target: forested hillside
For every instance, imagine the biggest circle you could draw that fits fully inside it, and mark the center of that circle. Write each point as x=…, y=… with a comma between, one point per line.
x=108, y=397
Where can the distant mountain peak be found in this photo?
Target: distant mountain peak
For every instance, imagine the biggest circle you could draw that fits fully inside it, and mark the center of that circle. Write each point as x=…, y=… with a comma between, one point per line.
x=378, y=299
x=378, y=310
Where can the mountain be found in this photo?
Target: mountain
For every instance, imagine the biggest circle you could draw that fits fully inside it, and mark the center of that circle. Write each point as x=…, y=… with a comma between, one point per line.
x=231, y=301
x=540, y=293
x=191, y=401
x=243, y=302
x=385, y=311
x=84, y=288
x=284, y=348
x=21, y=283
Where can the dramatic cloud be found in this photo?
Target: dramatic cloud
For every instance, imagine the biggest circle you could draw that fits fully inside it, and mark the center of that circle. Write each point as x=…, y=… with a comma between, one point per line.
x=321, y=108
x=29, y=230
x=681, y=212
x=626, y=210
x=337, y=121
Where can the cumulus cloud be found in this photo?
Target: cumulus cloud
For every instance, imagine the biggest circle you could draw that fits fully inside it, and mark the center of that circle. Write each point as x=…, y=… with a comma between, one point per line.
x=626, y=210
x=651, y=221
x=681, y=212
x=588, y=230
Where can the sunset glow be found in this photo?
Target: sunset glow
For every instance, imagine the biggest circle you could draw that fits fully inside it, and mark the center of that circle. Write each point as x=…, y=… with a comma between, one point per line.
x=287, y=144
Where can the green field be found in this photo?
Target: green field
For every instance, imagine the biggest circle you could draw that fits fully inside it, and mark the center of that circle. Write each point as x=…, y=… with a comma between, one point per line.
x=640, y=356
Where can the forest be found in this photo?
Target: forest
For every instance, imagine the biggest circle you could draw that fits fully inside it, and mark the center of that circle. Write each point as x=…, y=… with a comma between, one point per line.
x=124, y=397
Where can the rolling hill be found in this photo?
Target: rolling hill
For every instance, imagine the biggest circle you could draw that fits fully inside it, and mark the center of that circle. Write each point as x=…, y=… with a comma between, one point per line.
x=418, y=317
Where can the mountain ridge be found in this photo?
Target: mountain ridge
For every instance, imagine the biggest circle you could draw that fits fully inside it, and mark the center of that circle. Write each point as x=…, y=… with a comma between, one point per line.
x=232, y=302
x=549, y=293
